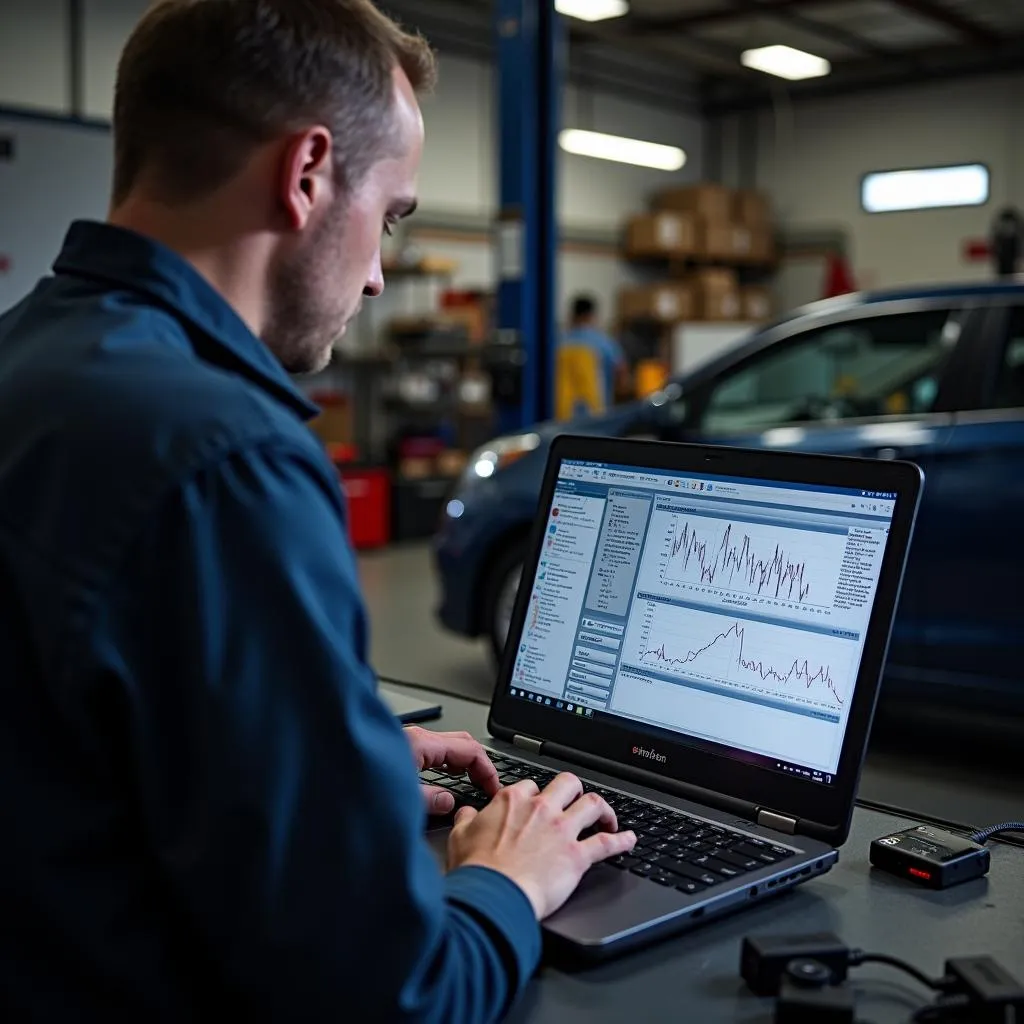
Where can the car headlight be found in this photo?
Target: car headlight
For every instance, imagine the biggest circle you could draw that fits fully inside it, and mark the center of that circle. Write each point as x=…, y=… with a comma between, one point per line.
x=498, y=454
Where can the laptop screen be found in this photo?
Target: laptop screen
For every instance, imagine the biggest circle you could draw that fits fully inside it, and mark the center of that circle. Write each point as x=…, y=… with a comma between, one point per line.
x=728, y=613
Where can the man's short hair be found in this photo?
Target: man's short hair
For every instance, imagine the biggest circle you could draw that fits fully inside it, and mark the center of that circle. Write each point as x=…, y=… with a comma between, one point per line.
x=201, y=83
x=583, y=307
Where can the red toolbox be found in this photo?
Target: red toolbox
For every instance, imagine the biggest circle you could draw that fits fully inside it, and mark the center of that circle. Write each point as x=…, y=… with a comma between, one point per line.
x=368, y=492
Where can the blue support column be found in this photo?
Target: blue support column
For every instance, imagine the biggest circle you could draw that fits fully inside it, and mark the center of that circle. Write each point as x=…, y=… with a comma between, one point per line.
x=530, y=67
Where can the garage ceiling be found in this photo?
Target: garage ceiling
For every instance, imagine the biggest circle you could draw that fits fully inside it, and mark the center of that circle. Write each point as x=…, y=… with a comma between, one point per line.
x=688, y=51
x=869, y=42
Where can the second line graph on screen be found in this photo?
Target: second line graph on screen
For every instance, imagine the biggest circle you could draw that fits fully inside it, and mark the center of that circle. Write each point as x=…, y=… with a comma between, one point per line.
x=791, y=665
x=756, y=560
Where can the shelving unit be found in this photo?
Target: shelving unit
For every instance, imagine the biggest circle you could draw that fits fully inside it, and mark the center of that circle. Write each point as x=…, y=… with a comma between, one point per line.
x=405, y=372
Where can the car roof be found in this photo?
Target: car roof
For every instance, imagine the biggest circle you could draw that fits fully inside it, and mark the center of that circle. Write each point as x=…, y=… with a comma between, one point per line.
x=981, y=289
x=913, y=293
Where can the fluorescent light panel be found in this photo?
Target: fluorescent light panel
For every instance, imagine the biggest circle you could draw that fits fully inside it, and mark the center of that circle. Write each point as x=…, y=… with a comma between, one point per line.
x=925, y=188
x=785, y=62
x=621, y=150
x=592, y=10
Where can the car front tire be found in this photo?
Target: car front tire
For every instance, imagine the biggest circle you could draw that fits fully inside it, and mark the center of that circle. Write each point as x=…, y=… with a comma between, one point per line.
x=500, y=596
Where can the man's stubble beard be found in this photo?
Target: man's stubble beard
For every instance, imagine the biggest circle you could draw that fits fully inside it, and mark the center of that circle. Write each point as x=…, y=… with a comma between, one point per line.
x=305, y=316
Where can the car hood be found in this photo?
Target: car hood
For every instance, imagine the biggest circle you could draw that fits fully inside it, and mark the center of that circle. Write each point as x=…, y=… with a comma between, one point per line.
x=615, y=423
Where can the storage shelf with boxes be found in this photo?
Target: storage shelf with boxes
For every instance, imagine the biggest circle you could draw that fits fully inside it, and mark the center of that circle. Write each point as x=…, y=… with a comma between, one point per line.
x=715, y=246
x=704, y=224
x=403, y=408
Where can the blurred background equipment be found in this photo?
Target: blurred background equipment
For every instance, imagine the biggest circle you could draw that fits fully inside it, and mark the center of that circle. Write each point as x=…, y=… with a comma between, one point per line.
x=1007, y=239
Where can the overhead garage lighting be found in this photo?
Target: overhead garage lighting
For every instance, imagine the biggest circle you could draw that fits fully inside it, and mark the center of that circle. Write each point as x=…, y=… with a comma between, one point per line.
x=592, y=10
x=622, y=150
x=785, y=62
x=924, y=188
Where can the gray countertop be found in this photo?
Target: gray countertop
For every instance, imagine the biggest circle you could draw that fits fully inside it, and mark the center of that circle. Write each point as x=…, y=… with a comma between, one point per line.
x=695, y=977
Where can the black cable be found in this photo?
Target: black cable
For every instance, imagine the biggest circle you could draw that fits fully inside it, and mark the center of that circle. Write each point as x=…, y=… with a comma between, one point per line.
x=949, y=1009
x=858, y=957
x=985, y=834
x=950, y=826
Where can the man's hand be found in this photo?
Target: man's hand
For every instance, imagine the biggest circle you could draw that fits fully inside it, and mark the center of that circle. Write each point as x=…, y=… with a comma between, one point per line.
x=457, y=751
x=533, y=838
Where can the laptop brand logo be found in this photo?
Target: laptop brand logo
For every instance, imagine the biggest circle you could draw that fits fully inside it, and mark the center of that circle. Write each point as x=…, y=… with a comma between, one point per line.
x=650, y=755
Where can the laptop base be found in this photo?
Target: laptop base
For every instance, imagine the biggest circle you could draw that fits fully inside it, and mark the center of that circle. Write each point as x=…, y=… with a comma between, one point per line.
x=614, y=911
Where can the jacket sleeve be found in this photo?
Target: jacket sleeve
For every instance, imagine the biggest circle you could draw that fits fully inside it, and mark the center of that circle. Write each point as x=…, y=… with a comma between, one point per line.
x=277, y=793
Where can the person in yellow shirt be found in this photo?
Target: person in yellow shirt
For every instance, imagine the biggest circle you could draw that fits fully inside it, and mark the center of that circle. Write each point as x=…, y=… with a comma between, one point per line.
x=589, y=362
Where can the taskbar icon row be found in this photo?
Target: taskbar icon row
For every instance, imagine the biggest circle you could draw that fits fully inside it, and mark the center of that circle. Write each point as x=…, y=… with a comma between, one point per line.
x=569, y=707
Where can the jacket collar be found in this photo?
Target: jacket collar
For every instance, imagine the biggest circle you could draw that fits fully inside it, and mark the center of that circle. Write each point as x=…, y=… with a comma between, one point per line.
x=121, y=257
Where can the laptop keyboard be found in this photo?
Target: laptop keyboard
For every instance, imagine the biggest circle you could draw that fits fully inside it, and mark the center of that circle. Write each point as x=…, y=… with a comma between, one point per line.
x=673, y=849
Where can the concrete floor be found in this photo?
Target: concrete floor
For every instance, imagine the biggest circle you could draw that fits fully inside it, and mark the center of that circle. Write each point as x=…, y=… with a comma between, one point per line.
x=407, y=643
x=936, y=769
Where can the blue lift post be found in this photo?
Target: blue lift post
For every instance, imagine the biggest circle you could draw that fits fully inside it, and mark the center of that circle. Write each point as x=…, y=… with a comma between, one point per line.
x=530, y=74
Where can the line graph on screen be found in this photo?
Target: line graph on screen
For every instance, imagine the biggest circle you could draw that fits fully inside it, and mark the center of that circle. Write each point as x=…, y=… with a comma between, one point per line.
x=774, y=562
x=773, y=661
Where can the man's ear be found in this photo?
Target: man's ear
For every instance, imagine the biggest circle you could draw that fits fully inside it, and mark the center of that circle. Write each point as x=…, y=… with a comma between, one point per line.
x=307, y=174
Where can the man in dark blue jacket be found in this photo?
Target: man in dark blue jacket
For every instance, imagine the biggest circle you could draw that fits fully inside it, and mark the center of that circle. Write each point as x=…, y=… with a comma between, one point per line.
x=208, y=813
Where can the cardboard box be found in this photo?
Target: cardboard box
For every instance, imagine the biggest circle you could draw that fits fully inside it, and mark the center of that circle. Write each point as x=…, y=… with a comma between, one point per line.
x=451, y=463
x=709, y=201
x=725, y=241
x=661, y=234
x=762, y=245
x=751, y=208
x=667, y=303
x=717, y=294
x=471, y=319
x=416, y=469
x=334, y=424
x=756, y=303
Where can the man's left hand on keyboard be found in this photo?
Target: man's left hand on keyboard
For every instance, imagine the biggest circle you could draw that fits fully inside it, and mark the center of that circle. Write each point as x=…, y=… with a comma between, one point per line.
x=455, y=752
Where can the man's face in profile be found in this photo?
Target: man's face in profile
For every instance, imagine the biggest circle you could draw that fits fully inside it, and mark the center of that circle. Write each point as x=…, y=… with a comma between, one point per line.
x=319, y=287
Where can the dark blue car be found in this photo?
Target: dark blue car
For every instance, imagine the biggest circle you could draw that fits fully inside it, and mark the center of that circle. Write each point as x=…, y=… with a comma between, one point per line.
x=935, y=376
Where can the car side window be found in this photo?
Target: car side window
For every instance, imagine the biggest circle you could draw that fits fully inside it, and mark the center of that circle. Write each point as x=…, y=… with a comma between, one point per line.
x=1008, y=392
x=884, y=365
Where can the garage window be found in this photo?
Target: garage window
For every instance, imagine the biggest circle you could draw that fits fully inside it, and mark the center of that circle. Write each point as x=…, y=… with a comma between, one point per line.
x=925, y=188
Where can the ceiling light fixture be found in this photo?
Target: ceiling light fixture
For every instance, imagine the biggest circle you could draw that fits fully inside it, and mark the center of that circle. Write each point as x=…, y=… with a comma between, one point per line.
x=592, y=10
x=785, y=62
x=622, y=150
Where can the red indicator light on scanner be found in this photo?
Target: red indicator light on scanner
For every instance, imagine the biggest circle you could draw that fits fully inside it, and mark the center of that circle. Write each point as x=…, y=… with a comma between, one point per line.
x=918, y=873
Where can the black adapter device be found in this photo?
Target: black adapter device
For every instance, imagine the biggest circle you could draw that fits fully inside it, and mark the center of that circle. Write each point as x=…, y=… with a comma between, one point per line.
x=764, y=958
x=808, y=994
x=930, y=856
x=806, y=973
x=978, y=991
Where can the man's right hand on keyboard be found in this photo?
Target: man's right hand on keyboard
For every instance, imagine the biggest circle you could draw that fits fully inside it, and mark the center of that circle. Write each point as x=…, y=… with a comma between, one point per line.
x=533, y=838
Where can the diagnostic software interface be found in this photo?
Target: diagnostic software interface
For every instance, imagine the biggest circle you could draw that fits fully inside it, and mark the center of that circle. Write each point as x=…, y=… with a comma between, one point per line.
x=730, y=612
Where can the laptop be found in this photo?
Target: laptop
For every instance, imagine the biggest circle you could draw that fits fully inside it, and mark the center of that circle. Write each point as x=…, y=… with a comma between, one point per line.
x=699, y=635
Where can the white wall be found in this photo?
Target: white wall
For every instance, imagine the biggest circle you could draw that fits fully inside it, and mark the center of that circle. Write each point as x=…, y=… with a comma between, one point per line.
x=107, y=24
x=60, y=172
x=811, y=158
x=459, y=173
x=33, y=55
x=460, y=169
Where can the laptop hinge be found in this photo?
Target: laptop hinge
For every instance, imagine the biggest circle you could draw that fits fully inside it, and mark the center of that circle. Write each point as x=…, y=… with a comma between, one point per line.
x=779, y=822
x=528, y=743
